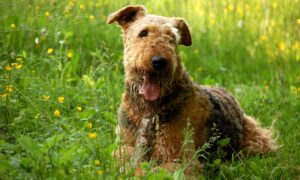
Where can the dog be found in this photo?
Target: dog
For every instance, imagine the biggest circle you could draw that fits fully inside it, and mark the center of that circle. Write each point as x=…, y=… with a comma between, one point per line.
x=161, y=100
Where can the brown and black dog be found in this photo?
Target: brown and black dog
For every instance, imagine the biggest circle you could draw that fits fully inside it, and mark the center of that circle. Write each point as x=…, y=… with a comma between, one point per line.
x=158, y=89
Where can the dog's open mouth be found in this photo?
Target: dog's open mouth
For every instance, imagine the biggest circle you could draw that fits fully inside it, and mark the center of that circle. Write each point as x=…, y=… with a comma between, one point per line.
x=150, y=88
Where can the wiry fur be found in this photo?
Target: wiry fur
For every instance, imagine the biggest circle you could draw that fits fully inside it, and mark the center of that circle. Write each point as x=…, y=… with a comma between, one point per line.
x=181, y=100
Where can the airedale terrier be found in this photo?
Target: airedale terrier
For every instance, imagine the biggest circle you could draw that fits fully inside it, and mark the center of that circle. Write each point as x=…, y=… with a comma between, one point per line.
x=159, y=92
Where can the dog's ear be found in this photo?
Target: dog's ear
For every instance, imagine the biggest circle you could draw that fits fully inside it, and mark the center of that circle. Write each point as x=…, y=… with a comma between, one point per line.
x=126, y=15
x=183, y=28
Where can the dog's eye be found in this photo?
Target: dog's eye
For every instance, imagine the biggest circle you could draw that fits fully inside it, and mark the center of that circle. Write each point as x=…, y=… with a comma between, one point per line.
x=143, y=33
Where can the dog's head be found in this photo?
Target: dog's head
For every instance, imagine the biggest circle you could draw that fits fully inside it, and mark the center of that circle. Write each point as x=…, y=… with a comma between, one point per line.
x=150, y=49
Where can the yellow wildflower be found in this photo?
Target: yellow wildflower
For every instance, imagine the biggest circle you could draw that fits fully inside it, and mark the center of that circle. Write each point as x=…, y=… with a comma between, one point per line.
x=50, y=50
x=9, y=88
x=295, y=90
x=47, y=14
x=281, y=46
x=8, y=68
x=296, y=46
x=240, y=11
x=97, y=162
x=89, y=125
x=92, y=18
x=273, y=23
x=81, y=6
x=19, y=59
x=230, y=7
x=99, y=172
x=298, y=21
x=45, y=97
x=225, y=11
x=71, y=3
x=61, y=99
x=67, y=11
x=263, y=38
x=69, y=55
x=18, y=66
x=13, y=26
x=266, y=88
x=79, y=108
x=4, y=95
x=92, y=135
x=57, y=113
x=14, y=64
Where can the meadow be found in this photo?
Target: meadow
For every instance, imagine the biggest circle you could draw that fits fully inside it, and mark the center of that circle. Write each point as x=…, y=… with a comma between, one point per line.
x=61, y=80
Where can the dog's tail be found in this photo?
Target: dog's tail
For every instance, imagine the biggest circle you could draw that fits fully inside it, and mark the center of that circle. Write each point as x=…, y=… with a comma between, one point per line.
x=258, y=140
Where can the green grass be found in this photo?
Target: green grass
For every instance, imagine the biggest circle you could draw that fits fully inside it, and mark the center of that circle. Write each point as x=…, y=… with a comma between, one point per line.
x=251, y=48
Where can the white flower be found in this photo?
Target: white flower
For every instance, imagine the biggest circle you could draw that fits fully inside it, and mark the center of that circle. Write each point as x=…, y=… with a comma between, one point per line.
x=36, y=40
x=240, y=23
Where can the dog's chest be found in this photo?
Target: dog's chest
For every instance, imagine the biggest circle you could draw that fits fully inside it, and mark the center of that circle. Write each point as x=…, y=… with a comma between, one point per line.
x=168, y=143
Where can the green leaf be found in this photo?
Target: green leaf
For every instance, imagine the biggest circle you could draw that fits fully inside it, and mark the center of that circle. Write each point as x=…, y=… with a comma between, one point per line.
x=29, y=145
x=68, y=155
x=224, y=142
x=2, y=143
x=51, y=141
x=217, y=162
x=27, y=162
x=5, y=164
x=178, y=175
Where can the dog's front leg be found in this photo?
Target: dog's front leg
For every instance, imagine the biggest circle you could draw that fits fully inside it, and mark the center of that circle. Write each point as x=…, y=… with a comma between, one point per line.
x=144, y=141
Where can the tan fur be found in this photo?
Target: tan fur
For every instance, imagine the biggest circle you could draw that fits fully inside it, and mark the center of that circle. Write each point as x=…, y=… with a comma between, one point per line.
x=257, y=139
x=181, y=101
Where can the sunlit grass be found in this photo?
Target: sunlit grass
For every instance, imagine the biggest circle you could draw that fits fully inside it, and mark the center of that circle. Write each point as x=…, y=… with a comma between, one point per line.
x=61, y=79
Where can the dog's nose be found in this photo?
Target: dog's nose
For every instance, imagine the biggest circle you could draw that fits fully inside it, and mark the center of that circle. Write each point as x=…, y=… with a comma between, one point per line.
x=158, y=62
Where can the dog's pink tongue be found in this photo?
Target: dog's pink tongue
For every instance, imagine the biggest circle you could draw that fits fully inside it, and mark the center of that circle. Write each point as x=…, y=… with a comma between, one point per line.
x=151, y=89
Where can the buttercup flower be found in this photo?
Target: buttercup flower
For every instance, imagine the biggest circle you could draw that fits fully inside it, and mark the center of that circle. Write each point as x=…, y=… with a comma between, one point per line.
x=50, y=50
x=16, y=65
x=19, y=59
x=281, y=46
x=81, y=6
x=47, y=14
x=89, y=125
x=79, y=108
x=100, y=172
x=97, y=162
x=8, y=68
x=56, y=113
x=263, y=37
x=9, y=88
x=298, y=21
x=92, y=18
x=61, y=99
x=69, y=55
x=13, y=26
x=4, y=95
x=71, y=3
x=45, y=97
x=92, y=135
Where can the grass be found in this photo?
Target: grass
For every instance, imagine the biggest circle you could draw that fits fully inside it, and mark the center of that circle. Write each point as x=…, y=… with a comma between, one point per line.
x=52, y=49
